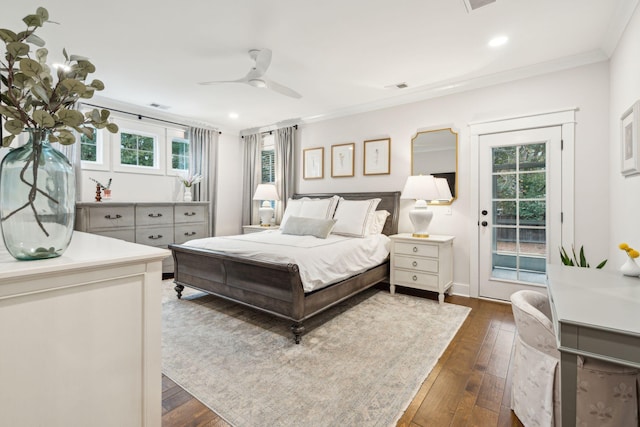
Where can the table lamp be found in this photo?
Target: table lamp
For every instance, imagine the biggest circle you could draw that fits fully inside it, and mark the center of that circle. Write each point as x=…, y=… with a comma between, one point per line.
x=266, y=193
x=423, y=189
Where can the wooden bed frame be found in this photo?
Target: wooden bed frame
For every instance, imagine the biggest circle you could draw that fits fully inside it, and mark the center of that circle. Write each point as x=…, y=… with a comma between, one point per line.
x=276, y=288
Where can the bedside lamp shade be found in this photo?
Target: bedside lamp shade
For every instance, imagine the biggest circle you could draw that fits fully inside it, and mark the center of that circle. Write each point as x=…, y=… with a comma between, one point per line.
x=421, y=188
x=266, y=193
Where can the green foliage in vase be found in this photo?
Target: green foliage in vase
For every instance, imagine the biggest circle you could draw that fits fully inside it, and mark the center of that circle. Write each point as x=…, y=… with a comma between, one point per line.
x=34, y=96
x=578, y=261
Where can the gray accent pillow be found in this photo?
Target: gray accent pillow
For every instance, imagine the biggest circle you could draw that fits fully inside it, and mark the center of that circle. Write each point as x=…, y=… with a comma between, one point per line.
x=301, y=226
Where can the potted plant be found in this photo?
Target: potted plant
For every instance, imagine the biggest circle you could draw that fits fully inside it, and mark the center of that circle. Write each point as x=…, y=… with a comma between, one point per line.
x=37, y=184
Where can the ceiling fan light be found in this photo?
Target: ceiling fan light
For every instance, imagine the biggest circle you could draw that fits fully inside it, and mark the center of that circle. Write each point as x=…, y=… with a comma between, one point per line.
x=257, y=83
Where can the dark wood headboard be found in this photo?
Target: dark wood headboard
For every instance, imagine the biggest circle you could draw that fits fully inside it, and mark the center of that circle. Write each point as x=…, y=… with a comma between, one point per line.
x=390, y=201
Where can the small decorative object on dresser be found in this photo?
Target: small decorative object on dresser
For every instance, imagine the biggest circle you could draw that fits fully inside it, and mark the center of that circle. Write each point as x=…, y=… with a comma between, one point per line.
x=188, y=180
x=630, y=268
x=422, y=263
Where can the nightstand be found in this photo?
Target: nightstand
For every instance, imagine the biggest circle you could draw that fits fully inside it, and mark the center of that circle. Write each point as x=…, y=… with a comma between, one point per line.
x=246, y=229
x=422, y=263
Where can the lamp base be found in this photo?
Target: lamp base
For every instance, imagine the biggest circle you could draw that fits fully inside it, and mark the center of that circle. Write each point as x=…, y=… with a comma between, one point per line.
x=266, y=213
x=422, y=236
x=420, y=217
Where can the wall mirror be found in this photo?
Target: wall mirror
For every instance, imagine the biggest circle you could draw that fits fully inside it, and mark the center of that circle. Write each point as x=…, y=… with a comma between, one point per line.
x=435, y=152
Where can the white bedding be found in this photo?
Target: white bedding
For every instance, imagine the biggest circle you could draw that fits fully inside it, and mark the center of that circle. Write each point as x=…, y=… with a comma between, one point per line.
x=321, y=261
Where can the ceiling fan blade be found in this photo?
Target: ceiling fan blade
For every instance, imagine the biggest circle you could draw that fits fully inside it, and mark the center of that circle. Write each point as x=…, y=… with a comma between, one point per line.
x=277, y=87
x=263, y=60
x=242, y=80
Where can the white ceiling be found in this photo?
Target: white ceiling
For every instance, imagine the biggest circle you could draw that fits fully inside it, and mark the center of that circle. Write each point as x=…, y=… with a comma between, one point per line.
x=341, y=55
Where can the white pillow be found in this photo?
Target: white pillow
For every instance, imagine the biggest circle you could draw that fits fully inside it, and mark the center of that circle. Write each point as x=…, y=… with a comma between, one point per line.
x=319, y=208
x=292, y=209
x=301, y=226
x=354, y=217
x=379, y=219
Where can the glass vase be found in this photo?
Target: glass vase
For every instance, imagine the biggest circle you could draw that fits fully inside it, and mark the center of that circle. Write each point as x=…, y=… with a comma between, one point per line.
x=37, y=199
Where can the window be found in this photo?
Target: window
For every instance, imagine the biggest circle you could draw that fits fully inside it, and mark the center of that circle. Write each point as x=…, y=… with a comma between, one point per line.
x=180, y=154
x=268, y=159
x=137, y=150
x=89, y=147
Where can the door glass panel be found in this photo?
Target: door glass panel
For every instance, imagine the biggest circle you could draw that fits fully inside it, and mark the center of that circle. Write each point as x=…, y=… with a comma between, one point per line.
x=519, y=247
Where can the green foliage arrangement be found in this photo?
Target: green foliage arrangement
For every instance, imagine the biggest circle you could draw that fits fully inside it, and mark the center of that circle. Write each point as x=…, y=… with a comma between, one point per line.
x=34, y=97
x=580, y=261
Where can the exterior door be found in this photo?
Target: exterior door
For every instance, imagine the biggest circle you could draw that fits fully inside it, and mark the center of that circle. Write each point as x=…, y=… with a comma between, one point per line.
x=520, y=209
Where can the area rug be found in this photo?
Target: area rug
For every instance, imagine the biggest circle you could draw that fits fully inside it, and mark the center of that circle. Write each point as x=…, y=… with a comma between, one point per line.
x=359, y=363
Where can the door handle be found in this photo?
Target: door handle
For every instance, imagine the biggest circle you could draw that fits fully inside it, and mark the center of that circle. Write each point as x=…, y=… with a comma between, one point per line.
x=484, y=212
x=484, y=223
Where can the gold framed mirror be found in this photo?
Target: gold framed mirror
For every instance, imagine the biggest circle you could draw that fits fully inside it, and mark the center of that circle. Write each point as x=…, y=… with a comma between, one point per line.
x=435, y=152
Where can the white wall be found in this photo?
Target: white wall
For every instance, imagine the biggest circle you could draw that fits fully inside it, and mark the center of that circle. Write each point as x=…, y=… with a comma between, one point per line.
x=624, y=203
x=584, y=87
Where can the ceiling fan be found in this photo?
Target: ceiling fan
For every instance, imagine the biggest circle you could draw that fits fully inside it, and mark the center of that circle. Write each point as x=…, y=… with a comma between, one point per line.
x=255, y=77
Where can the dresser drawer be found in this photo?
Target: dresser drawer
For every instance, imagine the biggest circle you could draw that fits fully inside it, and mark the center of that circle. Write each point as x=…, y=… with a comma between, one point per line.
x=416, y=264
x=127, y=234
x=417, y=249
x=416, y=279
x=187, y=213
x=154, y=236
x=189, y=232
x=154, y=215
x=110, y=217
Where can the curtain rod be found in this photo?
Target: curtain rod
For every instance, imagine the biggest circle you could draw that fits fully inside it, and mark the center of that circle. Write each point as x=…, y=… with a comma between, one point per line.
x=270, y=132
x=141, y=116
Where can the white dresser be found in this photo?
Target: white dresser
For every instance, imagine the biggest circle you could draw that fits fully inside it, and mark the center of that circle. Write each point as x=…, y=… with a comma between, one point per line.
x=81, y=336
x=153, y=224
x=422, y=263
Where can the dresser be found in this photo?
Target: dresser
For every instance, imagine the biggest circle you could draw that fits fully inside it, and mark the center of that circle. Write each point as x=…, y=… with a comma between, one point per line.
x=152, y=224
x=81, y=336
x=422, y=263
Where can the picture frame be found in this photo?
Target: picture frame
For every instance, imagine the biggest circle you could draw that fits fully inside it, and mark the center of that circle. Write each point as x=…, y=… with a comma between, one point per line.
x=377, y=157
x=342, y=160
x=630, y=140
x=313, y=163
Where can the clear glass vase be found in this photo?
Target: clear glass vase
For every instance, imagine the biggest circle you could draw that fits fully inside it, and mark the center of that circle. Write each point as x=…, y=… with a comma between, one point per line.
x=37, y=199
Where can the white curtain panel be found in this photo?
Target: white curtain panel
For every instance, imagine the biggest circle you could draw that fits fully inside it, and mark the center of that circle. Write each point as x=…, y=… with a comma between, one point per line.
x=203, y=160
x=284, y=167
x=252, y=165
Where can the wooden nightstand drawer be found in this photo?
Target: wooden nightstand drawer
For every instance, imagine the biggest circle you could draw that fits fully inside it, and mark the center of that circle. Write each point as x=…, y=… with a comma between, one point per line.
x=416, y=279
x=154, y=215
x=190, y=213
x=416, y=264
x=110, y=217
x=155, y=236
x=417, y=249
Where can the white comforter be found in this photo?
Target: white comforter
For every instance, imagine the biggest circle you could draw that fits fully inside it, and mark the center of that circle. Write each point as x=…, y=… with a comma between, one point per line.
x=320, y=261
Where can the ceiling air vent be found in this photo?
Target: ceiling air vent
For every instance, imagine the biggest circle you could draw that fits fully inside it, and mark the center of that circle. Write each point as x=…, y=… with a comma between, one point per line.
x=472, y=5
x=401, y=85
x=159, y=106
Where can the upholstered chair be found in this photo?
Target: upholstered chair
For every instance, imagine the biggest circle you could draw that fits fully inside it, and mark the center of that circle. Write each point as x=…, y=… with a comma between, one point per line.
x=607, y=393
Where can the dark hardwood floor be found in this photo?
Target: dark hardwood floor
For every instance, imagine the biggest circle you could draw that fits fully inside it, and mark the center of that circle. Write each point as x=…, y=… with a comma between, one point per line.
x=469, y=386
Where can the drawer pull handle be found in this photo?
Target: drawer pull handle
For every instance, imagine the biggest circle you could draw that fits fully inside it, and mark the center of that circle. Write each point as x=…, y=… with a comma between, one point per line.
x=415, y=278
x=156, y=215
x=414, y=263
x=189, y=213
x=113, y=217
x=415, y=249
x=190, y=233
x=156, y=237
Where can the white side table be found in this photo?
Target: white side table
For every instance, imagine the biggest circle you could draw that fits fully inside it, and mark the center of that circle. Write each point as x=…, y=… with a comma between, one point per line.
x=422, y=263
x=246, y=229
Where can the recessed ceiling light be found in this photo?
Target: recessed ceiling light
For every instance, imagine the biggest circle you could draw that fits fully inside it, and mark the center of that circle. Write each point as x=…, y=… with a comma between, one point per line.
x=498, y=41
x=233, y=115
x=63, y=67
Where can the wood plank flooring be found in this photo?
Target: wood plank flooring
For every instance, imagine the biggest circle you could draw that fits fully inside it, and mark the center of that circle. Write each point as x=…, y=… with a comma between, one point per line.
x=469, y=386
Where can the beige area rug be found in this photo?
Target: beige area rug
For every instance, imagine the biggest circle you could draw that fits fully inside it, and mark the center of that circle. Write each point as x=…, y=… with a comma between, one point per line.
x=359, y=363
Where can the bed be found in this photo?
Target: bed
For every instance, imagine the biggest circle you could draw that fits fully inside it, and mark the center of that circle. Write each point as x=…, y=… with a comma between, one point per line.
x=277, y=288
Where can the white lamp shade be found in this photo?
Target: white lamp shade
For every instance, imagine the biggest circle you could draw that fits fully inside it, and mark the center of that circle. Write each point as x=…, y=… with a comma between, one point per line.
x=421, y=187
x=266, y=192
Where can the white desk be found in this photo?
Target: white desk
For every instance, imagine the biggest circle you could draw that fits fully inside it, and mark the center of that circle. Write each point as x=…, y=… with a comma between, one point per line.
x=80, y=336
x=596, y=313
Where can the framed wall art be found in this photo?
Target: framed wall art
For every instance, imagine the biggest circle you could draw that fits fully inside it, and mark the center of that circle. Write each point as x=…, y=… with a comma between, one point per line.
x=630, y=140
x=342, y=160
x=377, y=157
x=313, y=163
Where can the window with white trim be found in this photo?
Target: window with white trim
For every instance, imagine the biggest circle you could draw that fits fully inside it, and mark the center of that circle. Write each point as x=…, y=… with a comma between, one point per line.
x=268, y=159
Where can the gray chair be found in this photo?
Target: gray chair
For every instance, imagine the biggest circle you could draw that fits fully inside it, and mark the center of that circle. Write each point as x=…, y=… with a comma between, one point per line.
x=607, y=393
